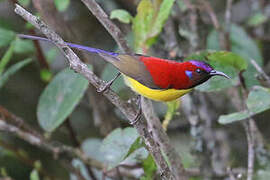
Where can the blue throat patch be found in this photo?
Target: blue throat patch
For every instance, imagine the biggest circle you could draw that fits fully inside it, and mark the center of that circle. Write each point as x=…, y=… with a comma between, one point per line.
x=189, y=74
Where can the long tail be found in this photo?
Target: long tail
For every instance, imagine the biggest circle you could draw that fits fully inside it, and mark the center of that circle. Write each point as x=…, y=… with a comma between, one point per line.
x=77, y=46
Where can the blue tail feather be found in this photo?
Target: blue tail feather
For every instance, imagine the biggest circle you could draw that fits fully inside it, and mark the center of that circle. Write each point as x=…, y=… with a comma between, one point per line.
x=77, y=46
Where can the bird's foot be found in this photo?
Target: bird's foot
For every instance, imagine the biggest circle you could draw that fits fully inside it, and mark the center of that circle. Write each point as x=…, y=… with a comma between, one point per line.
x=139, y=113
x=108, y=84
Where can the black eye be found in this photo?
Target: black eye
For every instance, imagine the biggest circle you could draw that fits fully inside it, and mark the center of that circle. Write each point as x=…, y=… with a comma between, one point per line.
x=198, y=71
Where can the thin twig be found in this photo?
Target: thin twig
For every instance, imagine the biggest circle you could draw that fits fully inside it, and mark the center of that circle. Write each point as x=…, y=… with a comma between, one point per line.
x=107, y=23
x=250, y=129
x=231, y=175
x=260, y=70
x=194, y=45
x=56, y=148
x=161, y=137
x=212, y=14
x=228, y=18
x=77, y=144
x=223, y=38
x=72, y=133
x=251, y=153
x=82, y=68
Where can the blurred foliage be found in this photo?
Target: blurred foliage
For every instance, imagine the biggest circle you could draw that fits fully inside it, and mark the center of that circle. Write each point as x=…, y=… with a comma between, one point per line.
x=121, y=15
x=64, y=90
x=258, y=101
x=61, y=5
x=242, y=45
x=59, y=99
x=228, y=62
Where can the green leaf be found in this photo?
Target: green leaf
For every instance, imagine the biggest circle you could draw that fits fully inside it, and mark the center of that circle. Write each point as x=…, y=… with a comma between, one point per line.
x=242, y=45
x=121, y=15
x=262, y=174
x=257, y=102
x=79, y=165
x=60, y=98
x=149, y=168
x=233, y=117
x=228, y=62
x=24, y=2
x=46, y=75
x=51, y=54
x=117, y=144
x=34, y=175
x=91, y=147
x=61, y=5
x=163, y=14
x=142, y=24
x=7, y=57
x=6, y=36
x=257, y=19
x=173, y=106
x=24, y=46
x=137, y=156
x=138, y=143
x=149, y=22
x=12, y=70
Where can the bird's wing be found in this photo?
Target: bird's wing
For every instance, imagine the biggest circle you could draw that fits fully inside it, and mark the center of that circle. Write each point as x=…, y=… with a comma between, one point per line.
x=131, y=66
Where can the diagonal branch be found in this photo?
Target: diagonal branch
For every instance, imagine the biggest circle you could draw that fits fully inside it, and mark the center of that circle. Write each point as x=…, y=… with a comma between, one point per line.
x=126, y=108
x=160, y=136
x=108, y=24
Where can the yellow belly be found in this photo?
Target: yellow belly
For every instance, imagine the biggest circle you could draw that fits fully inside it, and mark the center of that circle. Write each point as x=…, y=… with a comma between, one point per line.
x=154, y=94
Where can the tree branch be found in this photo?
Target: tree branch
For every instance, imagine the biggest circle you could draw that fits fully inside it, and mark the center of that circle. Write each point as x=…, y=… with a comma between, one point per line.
x=82, y=68
x=162, y=138
x=107, y=23
x=265, y=77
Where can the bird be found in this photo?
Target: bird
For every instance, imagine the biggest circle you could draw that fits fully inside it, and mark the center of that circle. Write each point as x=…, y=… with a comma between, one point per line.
x=152, y=77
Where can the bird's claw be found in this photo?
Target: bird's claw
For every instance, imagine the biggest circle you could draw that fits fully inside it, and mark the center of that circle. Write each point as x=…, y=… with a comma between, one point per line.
x=139, y=113
x=108, y=84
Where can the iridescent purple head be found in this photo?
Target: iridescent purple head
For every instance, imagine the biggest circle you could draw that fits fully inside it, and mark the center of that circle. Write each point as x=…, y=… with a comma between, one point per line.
x=202, y=65
x=198, y=72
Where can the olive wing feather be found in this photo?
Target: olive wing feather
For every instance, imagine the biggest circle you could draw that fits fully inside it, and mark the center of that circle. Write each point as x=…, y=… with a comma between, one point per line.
x=132, y=66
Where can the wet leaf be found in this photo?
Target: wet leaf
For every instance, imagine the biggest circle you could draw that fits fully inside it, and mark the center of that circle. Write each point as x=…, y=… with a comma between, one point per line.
x=60, y=98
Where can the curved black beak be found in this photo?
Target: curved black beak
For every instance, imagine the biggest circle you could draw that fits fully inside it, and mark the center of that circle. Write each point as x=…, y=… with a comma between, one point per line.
x=218, y=73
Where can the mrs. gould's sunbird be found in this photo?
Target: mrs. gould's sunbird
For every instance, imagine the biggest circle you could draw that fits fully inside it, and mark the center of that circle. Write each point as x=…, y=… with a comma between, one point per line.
x=154, y=78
